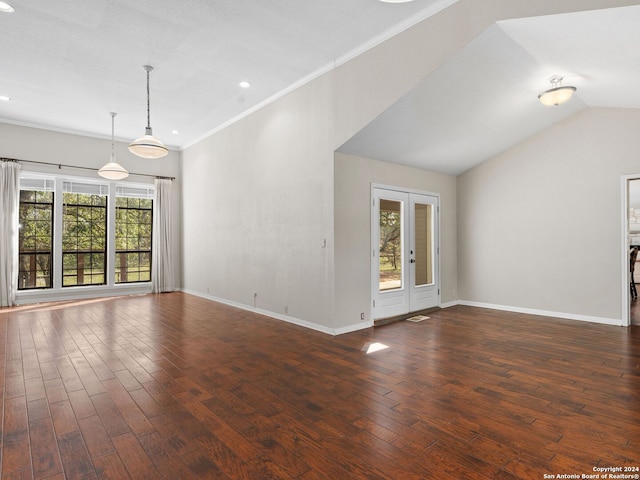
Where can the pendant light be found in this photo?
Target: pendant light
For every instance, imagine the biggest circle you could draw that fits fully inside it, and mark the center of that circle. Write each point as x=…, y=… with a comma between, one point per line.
x=558, y=94
x=113, y=170
x=148, y=146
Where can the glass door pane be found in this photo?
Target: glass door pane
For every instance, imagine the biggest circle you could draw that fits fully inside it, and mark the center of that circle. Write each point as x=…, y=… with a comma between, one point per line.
x=423, y=254
x=390, y=246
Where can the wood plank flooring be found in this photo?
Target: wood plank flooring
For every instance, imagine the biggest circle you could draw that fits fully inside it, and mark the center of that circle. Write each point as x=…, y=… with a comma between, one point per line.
x=173, y=386
x=634, y=310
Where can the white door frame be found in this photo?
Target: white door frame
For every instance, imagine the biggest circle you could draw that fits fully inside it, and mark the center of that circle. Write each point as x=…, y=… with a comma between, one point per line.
x=626, y=275
x=374, y=242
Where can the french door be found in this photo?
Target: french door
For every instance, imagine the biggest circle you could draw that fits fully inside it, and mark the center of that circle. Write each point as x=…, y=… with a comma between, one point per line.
x=405, y=252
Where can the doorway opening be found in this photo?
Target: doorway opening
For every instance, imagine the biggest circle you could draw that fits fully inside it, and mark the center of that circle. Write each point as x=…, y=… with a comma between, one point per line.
x=631, y=247
x=405, y=251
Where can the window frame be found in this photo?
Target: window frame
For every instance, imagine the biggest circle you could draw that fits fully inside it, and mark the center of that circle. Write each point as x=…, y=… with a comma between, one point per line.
x=133, y=196
x=36, y=251
x=109, y=287
x=93, y=206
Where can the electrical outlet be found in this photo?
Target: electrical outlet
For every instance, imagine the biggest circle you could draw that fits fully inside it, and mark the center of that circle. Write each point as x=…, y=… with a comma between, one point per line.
x=362, y=316
x=286, y=309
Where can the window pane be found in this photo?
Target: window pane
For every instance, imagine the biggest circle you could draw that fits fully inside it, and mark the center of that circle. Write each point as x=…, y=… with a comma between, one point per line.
x=390, y=246
x=145, y=244
x=133, y=240
x=28, y=243
x=84, y=239
x=132, y=243
x=43, y=197
x=133, y=216
x=69, y=261
x=35, y=238
x=43, y=243
x=132, y=260
x=27, y=196
x=423, y=226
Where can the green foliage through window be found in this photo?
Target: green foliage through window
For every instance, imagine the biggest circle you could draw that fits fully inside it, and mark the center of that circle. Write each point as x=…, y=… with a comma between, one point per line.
x=86, y=219
x=35, y=239
x=134, y=220
x=84, y=239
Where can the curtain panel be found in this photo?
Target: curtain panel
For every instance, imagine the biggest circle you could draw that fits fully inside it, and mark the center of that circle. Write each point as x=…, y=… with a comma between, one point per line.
x=162, y=279
x=9, y=205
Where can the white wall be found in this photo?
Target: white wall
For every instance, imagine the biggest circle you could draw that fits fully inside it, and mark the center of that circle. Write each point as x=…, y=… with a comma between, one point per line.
x=353, y=178
x=539, y=227
x=258, y=209
x=26, y=143
x=260, y=201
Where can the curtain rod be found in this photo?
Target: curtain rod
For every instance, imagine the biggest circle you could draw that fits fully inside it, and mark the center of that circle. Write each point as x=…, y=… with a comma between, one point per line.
x=60, y=165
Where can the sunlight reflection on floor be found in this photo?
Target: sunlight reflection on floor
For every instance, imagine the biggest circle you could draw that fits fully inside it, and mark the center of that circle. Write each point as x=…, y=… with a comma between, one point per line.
x=370, y=347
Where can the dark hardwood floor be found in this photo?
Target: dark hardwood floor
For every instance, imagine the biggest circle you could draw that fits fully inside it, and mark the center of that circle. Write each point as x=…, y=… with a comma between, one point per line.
x=176, y=387
x=634, y=311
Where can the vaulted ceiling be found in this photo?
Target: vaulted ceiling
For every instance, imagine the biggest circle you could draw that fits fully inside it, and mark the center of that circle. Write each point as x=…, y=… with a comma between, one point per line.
x=66, y=65
x=485, y=99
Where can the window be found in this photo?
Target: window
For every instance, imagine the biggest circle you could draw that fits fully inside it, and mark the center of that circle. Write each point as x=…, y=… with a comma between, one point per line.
x=84, y=234
x=134, y=220
x=35, y=239
x=81, y=232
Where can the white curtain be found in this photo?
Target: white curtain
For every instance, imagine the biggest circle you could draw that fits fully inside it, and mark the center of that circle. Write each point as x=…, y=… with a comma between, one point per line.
x=9, y=204
x=162, y=264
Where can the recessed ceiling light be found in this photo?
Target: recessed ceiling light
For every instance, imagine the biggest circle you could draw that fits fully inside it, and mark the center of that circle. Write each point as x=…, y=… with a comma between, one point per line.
x=6, y=8
x=4, y=98
x=244, y=84
x=175, y=132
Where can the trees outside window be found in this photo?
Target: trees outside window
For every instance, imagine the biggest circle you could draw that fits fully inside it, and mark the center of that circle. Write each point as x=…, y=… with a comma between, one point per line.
x=77, y=232
x=35, y=239
x=84, y=239
x=134, y=220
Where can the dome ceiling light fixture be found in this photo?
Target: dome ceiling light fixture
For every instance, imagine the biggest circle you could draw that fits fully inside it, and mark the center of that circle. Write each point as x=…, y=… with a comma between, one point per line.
x=112, y=169
x=148, y=146
x=557, y=94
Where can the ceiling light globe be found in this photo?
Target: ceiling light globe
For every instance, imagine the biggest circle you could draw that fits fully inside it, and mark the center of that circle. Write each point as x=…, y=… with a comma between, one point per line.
x=6, y=8
x=148, y=146
x=556, y=96
x=113, y=171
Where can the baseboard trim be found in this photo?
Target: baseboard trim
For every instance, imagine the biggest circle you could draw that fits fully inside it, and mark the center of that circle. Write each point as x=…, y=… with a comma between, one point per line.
x=363, y=325
x=544, y=313
x=32, y=297
x=352, y=328
x=284, y=318
x=449, y=304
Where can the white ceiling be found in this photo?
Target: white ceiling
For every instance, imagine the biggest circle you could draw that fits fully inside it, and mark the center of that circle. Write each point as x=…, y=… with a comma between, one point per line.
x=484, y=100
x=66, y=65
